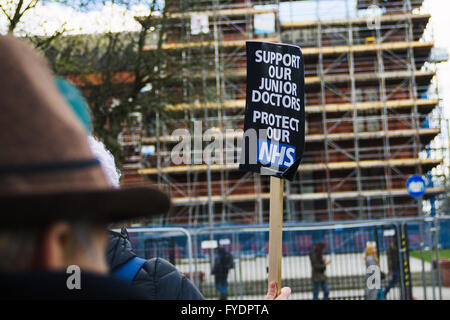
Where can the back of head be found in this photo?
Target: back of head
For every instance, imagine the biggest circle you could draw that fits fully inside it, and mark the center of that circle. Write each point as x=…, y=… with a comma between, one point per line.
x=221, y=251
x=43, y=145
x=318, y=248
x=393, y=243
x=48, y=174
x=56, y=199
x=371, y=251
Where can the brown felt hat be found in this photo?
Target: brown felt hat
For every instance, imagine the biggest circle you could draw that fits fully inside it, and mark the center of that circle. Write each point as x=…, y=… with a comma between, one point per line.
x=47, y=171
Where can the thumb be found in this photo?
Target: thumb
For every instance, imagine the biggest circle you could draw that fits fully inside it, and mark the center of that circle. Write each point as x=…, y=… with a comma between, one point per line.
x=285, y=293
x=272, y=292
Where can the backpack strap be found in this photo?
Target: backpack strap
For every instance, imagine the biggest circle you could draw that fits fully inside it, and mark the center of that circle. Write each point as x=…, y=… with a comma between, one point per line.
x=129, y=270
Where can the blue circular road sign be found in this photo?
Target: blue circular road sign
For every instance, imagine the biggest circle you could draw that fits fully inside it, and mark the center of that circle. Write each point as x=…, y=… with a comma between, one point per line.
x=416, y=186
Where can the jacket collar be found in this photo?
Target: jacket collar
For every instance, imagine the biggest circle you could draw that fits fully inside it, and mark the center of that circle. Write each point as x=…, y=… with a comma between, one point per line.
x=47, y=285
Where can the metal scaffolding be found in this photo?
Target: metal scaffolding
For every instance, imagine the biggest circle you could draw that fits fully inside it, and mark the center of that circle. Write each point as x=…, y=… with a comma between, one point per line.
x=372, y=108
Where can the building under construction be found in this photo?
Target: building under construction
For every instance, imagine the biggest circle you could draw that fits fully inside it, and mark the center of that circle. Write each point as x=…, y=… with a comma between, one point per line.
x=372, y=110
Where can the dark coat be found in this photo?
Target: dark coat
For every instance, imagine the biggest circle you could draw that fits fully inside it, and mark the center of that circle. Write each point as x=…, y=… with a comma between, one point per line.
x=159, y=279
x=318, y=268
x=223, y=262
x=393, y=261
x=46, y=285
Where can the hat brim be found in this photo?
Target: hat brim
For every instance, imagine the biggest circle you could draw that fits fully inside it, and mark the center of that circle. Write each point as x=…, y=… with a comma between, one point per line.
x=109, y=205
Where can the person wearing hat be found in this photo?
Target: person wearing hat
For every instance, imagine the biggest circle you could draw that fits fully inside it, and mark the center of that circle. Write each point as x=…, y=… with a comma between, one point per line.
x=56, y=200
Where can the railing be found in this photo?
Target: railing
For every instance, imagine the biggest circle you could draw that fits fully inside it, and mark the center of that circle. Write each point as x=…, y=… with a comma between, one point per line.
x=418, y=241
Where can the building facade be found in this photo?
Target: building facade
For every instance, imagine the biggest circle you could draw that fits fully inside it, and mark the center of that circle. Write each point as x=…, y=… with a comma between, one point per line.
x=372, y=108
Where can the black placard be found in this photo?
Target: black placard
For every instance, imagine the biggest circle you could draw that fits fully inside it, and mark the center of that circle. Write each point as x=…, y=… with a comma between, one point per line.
x=274, y=126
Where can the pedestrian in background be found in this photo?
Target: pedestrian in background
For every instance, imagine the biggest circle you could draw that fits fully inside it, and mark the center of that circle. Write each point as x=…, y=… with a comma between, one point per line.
x=373, y=274
x=223, y=262
x=318, y=266
x=393, y=265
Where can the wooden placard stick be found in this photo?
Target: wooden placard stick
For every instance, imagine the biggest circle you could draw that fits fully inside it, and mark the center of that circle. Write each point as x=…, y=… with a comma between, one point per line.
x=276, y=231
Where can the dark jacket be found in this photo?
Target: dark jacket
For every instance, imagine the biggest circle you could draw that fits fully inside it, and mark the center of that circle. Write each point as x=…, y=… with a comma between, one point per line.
x=159, y=279
x=318, y=267
x=393, y=261
x=222, y=264
x=47, y=285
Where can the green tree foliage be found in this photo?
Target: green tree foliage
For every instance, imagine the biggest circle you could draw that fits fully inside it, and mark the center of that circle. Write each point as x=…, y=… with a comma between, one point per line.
x=119, y=72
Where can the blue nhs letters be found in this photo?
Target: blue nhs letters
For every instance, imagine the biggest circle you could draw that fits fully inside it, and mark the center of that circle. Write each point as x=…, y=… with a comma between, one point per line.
x=277, y=154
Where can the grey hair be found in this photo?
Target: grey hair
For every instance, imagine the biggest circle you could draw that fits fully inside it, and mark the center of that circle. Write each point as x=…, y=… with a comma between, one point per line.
x=106, y=160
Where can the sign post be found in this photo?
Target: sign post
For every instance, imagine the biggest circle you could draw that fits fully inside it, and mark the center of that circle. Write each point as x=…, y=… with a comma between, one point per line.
x=274, y=128
x=406, y=270
x=275, y=231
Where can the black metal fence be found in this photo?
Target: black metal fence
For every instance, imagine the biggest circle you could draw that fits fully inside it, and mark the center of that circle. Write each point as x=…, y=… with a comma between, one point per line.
x=417, y=241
